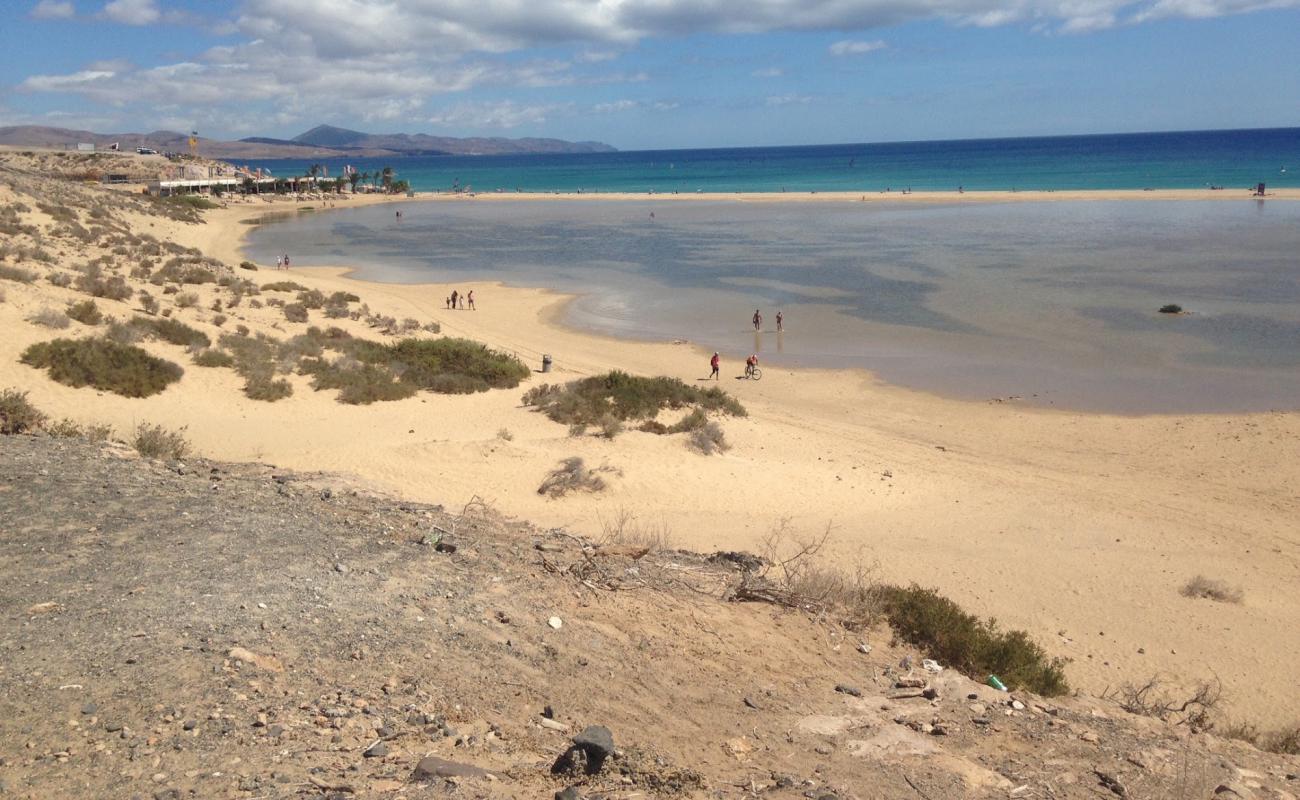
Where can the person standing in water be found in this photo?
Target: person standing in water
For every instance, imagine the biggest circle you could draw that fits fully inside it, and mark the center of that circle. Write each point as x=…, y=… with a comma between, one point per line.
x=715, y=363
x=780, y=322
x=758, y=320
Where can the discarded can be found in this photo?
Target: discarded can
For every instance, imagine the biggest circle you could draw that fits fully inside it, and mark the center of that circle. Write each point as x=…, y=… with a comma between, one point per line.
x=546, y=362
x=997, y=684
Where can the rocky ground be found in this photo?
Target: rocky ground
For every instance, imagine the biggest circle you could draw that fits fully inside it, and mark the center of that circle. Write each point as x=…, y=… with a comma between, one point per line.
x=202, y=629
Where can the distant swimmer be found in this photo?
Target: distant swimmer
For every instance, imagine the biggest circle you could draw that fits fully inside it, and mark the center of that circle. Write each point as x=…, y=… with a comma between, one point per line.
x=652, y=215
x=758, y=320
x=780, y=322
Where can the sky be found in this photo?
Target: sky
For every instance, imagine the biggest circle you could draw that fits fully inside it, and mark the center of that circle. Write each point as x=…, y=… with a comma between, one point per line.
x=651, y=74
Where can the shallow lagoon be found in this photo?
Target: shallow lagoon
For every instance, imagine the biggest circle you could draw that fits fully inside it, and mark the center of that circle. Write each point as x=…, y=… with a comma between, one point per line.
x=1054, y=303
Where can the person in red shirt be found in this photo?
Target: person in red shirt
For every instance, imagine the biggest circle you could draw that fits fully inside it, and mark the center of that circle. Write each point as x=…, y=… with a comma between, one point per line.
x=750, y=363
x=715, y=362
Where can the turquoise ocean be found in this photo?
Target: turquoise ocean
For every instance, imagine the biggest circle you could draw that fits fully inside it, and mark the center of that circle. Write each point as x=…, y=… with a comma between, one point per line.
x=1050, y=303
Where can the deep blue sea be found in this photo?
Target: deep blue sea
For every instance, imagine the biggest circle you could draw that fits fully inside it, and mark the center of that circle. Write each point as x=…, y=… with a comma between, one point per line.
x=1178, y=160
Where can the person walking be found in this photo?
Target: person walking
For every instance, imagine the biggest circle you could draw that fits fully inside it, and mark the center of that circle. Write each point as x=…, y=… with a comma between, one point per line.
x=780, y=322
x=286, y=260
x=454, y=295
x=758, y=320
x=470, y=298
x=715, y=363
x=279, y=263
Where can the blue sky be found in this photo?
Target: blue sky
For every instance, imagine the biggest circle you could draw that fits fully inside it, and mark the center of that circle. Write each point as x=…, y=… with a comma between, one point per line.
x=653, y=73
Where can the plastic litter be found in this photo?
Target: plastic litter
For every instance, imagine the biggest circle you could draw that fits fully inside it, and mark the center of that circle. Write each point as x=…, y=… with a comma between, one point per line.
x=996, y=683
x=932, y=666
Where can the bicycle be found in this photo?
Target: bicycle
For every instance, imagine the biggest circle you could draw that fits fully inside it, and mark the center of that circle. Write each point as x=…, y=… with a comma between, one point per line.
x=754, y=373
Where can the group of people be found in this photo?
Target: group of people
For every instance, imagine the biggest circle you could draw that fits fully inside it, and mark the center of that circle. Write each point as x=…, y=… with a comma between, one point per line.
x=715, y=364
x=282, y=262
x=458, y=301
x=758, y=321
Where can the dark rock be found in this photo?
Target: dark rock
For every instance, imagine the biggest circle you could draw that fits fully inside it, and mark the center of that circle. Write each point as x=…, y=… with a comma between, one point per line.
x=376, y=750
x=89, y=708
x=113, y=727
x=930, y=693
x=548, y=712
x=844, y=688
x=189, y=725
x=276, y=729
x=326, y=494
x=386, y=731
x=167, y=794
x=596, y=739
x=431, y=767
x=444, y=546
x=570, y=793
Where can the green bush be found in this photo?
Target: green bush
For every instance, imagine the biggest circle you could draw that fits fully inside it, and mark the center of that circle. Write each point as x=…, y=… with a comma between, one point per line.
x=312, y=298
x=247, y=265
x=948, y=634
x=17, y=414
x=449, y=366
x=155, y=441
x=626, y=397
x=359, y=385
x=104, y=364
x=295, y=312
x=94, y=282
x=85, y=312
x=267, y=388
x=214, y=358
x=283, y=286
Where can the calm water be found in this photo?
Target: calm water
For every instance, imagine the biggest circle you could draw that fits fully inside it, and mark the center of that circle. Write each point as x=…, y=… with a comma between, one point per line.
x=1052, y=302
x=1233, y=159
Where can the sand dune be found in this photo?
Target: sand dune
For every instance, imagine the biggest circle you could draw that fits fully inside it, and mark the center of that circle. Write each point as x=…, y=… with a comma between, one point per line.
x=1080, y=528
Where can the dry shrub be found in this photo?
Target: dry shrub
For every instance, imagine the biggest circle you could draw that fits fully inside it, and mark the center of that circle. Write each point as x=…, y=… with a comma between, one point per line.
x=295, y=312
x=1211, y=589
x=69, y=429
x=187, y=300
x=17, y=414
x=17, y=274
x=573, y=476
x=94, y=282
x=708, y=439
x=267, y=388
x=625, y=528
x=60, y=279
x=505, y=435
x=155, y=441
x=1150, y=699
x=214, y=358
x=50, y=319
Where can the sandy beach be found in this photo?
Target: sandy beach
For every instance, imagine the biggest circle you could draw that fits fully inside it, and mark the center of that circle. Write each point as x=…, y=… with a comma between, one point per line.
x=1080, y=528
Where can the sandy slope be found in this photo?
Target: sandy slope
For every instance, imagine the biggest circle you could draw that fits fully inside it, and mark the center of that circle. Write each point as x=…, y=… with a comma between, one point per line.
x=1079, y=527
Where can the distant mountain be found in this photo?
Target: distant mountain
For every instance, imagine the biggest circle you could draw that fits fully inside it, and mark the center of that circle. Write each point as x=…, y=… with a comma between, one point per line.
x=323, y=141
x=424, y=144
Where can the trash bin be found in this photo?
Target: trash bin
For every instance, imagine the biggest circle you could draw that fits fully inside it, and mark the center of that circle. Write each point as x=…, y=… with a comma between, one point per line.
x=546, y=362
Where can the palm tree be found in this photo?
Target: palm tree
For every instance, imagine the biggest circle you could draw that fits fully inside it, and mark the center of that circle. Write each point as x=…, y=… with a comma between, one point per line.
x=388, y=179
x=353, y=177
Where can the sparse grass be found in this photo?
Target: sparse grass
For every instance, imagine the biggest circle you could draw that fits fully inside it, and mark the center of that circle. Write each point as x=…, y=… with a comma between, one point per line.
x=1211, y=589
x=50, y=319
x=625, y=528
x=155, y=441
x=187, y=300
x=505, y=435
x=626, y=397
x=104, y=364
x=17, y=414
x=69, y=429
x=976, y=647
x=94, y=282
x=572, y=476
x=16, y=274
x=283, y=286
x=85, y=312
x=295, y=312
x=61, y=279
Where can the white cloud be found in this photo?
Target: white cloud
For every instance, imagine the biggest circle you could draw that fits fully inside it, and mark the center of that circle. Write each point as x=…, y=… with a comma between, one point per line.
x=789, y=100
x=132, y=12
x=850, y=48
x=770, y=72
x=80, y=81
x=53, y=9
x=504, y=114
x=615, y=106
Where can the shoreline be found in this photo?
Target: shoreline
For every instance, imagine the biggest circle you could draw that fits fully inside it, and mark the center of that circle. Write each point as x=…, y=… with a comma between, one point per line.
x=928, y=196
x=1026, y=514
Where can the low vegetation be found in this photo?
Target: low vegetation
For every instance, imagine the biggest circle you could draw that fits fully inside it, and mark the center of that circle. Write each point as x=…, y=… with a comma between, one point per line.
x=103, y=364
x=1210, y=589
x=155, y=441
x=361, y=384
x=708, y=439
x=69, y=429
x=283, y=286
x=171, y=331
x=572, y=475
x=85, y=312
x=214, y=358
x=626, y=397
x=16, y=274
x=976, y=647
x=50, y=319
x=17, y=414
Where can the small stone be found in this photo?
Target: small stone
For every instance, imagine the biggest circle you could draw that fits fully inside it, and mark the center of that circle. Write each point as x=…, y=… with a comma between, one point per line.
x=431, y=767
x=751, y=704
x=1090, y=737
x=843, y=688
x=930, y=693
x=596, y=739
x=1017, y=705
x=864, y=648
x=376, y=750
x=189, y=725
x=113, y=727
x=275, y=729
x=822, y=749
x=555, y=622
x=547, y=722
x=341, y=568
x=570, y=793
x=89, y=708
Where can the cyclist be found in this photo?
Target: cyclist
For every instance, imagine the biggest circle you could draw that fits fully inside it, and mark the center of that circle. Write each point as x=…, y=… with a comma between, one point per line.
x=750, y=363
